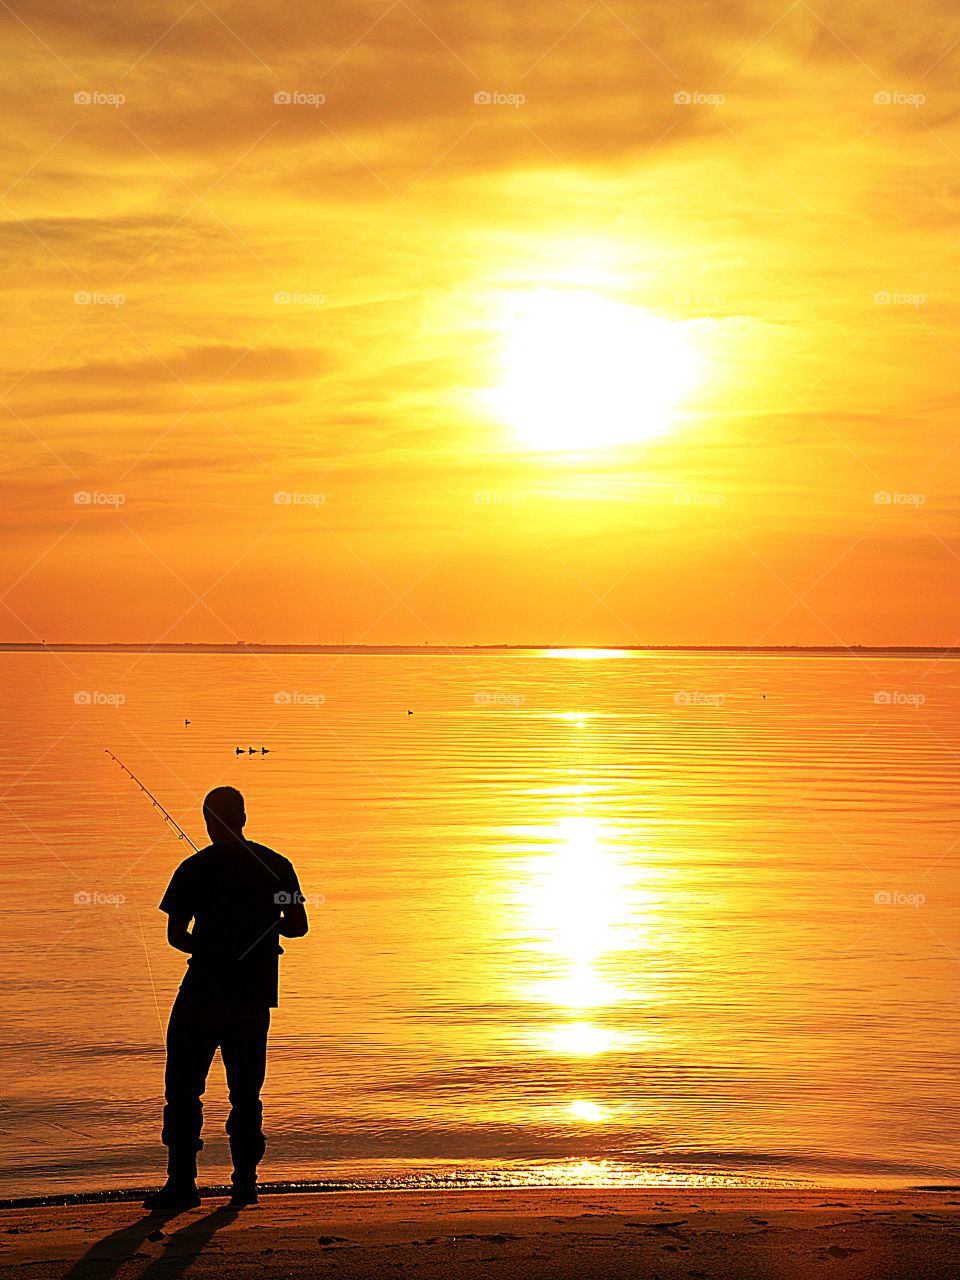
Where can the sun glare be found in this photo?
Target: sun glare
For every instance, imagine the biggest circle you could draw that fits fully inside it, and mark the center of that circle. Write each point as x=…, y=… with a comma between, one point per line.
x=585, y=1110
x=587, y=654
x=581, y=371
x=580, y=1039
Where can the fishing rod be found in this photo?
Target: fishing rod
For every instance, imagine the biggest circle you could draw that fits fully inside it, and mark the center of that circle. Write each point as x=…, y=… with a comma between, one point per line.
x=156, y=803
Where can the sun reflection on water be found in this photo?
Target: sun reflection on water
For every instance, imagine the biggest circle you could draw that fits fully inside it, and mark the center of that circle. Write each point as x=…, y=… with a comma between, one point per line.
x=579, y=901
x=589, y=1111
x=584, y=653
x=582, y=1039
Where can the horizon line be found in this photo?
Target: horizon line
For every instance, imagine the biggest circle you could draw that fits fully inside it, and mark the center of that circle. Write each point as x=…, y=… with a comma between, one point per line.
x=270, y=646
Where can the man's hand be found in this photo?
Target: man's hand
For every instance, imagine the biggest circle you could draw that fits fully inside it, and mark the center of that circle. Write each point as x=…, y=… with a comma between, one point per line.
x=293, y=919
x=178, y=933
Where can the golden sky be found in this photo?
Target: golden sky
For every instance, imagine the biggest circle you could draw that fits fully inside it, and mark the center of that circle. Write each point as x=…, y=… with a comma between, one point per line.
x=431, y=271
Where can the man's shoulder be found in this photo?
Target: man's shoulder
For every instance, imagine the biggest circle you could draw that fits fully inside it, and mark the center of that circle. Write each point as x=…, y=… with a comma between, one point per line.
x=184, y=884
x=216, y=860
x=275, y=861
x=207, y=860
x=192, y=862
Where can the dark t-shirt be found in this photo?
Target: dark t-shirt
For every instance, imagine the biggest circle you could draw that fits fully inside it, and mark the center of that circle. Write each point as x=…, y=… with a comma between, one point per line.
x=234, y=893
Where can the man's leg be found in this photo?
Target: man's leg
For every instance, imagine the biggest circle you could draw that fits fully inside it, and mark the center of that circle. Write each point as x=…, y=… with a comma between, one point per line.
x=243, y=1048
x=191, y=1044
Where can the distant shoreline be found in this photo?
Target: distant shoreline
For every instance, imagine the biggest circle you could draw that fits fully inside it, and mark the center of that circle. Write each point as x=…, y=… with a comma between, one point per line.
x=407, y=649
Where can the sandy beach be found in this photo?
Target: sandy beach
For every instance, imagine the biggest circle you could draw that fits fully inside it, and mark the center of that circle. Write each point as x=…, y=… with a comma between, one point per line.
x=573, y=1233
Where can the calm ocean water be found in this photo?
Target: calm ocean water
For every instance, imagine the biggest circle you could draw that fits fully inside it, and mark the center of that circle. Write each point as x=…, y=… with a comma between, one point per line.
x=611, y=918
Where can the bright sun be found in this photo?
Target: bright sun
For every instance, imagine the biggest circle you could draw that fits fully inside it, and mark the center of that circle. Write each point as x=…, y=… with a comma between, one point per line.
x=581, y=371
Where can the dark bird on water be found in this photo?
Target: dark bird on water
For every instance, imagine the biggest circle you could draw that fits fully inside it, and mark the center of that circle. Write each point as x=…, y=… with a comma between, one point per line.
x=186, y=722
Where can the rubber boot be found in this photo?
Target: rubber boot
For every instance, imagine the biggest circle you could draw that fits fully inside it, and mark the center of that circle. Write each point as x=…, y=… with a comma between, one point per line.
x=244, y=1187
x=180, y=1190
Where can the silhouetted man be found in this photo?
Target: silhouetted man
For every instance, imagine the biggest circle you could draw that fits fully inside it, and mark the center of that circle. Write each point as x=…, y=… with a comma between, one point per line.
x=240, y=897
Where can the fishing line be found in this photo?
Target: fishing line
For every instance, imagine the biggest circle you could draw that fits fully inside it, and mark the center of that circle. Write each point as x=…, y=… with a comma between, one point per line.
x=146, y=952
x=183, y=836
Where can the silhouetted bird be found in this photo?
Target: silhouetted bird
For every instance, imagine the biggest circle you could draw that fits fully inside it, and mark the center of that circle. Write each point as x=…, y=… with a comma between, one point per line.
x=186, y=722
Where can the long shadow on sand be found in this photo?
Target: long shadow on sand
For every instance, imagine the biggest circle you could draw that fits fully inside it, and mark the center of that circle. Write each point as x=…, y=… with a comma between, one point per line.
x=104, y=1259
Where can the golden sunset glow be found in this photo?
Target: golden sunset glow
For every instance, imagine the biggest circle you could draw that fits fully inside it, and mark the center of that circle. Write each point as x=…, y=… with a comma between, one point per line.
x=480, y=497
x=422, y=327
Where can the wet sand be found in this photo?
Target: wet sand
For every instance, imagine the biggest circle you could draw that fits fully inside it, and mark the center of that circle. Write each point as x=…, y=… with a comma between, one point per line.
x=533, y=1234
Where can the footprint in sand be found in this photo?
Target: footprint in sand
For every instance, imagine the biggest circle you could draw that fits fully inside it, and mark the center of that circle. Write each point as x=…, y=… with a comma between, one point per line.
x=838, y=1251
x=499, y=1237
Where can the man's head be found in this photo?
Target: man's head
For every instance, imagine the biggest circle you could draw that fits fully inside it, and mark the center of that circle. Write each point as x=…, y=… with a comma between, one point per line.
x=224, y=814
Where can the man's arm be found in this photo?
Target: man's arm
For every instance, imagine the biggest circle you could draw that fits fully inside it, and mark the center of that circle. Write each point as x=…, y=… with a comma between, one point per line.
x=178, y=902
x=293, y=918
x=178, y=933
